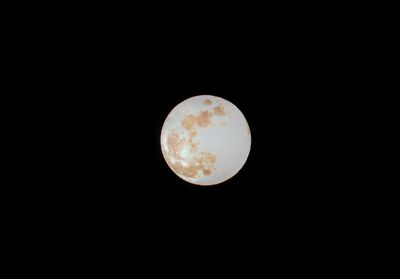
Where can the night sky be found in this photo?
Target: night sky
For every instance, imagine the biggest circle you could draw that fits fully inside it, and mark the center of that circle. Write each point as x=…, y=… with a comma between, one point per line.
x=118, y=164
x=109, y=90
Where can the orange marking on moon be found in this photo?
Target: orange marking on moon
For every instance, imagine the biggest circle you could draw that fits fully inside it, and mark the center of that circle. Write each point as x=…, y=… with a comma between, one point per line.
x=219, y=111
x=207, y=102
x=203, y=161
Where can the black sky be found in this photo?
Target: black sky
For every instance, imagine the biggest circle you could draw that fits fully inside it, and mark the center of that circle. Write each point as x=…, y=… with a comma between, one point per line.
x=120, y=103
x=106, y=90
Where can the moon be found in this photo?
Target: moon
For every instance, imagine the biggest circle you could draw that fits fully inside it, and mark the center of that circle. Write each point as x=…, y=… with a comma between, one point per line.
x=205, y=140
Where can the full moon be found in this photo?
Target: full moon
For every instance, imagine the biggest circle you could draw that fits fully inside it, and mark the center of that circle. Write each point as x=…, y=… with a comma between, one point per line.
x=205, y=140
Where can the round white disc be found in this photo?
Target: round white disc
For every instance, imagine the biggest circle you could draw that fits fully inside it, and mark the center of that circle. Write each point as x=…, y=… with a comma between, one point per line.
x=205, y=140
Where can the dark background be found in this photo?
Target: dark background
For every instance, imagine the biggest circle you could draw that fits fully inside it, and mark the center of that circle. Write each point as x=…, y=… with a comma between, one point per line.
x=115, y=101
x=105, y=83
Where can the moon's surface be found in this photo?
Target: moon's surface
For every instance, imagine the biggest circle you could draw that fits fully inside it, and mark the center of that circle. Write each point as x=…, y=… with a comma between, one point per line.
x=205, y=140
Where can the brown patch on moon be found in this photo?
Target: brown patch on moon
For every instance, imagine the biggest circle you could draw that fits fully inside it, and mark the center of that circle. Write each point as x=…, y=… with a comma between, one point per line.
x=207, y=102
x=189, y=121
x=193, y=145
x=190, y=171
x=193, y=133
x=204, y=161
x=208, y=157
x=204, y=119
x=219, y=111
x=189, y=166
x=175, y=143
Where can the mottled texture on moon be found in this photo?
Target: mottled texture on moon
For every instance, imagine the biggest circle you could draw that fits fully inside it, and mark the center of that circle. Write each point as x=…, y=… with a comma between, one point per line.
x=205, y=140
